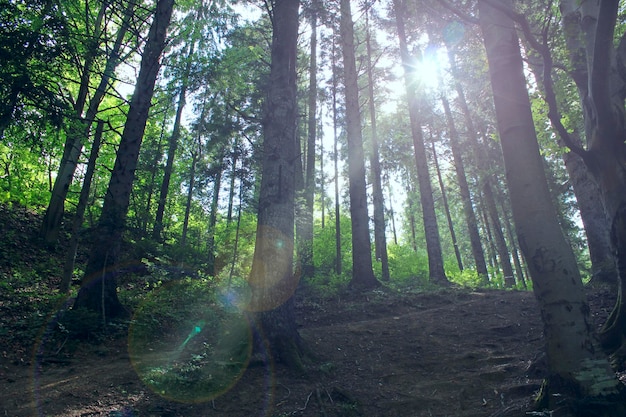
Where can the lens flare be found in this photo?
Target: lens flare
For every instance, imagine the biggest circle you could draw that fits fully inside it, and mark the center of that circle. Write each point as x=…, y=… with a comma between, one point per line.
x=186, y=344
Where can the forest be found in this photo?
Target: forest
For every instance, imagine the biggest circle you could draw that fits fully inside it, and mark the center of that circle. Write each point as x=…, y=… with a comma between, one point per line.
x=313, y=208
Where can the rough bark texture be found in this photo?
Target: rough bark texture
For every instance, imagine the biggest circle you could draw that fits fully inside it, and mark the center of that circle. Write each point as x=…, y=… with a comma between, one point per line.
x=99, y=284
x=362, y=273
x=578, y=371
x=271, y=279
x=598, y=70
x=433, y=243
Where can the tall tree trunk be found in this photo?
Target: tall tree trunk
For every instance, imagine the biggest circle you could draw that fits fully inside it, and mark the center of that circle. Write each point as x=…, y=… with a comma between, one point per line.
x=599, y=77
x=362, y=272
x=77, y=223
x=98, y=290
x=446, y=208
x=173, y=146
x=77, y=133
x=380, y=238
x=468, y=207
x=306, y=239
x=578, y=371
x=338, y=255
x=436, y=271
x=272, y=280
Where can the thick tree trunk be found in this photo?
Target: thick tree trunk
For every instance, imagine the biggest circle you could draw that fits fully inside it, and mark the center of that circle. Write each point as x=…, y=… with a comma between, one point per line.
x=578, y=372
x=433, y=243
x=362, y=272
x=589, y=35
x=99, y=284
x=271, y=279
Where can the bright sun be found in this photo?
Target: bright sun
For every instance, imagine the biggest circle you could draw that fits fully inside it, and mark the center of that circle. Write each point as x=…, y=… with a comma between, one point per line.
x=429, y=68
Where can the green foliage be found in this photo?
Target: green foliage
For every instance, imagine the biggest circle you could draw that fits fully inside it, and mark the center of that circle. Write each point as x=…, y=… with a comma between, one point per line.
x=406, y=267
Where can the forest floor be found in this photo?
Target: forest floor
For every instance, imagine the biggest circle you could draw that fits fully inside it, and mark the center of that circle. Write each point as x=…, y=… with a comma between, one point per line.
x=448, y=352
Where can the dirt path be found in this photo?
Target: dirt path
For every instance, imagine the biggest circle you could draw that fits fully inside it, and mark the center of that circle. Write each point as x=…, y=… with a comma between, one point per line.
x=447, y=354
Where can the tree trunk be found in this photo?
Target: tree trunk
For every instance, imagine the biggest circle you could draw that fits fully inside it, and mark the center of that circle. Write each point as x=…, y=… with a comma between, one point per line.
x=306, y=239
x=578, y=372
x=99, y=284
x=217, y=181
x=498, y=234
x=362, y=272
x=380, y=238
x=173, y=146
x=437, y=274
x=446, y=207
x=77, y=223
x=192, y=180
x=598, y=73
x=338, y=255
x=272, y=280
x=51, y=224
x=468, y=207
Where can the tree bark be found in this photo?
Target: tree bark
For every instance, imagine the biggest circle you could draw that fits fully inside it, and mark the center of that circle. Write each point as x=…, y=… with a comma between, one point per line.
x=362, y=272
x=271, y=279
x=577, y=369
x=99, y=284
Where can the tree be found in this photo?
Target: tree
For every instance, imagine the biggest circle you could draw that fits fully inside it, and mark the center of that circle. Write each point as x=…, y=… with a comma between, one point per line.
x=80, y=124
x=433, y=243
x=362, y=272
x=98, y=290
x=272, y=280
x=305, y=251
x=455, y=146
x=578, y=371
x=380, y=238
x=598, y=66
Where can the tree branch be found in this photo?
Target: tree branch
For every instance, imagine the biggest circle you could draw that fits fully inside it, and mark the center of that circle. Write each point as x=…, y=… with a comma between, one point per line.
x=550, y=95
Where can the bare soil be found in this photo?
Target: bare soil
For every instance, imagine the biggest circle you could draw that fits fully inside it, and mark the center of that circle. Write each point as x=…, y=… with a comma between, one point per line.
x=446, y=353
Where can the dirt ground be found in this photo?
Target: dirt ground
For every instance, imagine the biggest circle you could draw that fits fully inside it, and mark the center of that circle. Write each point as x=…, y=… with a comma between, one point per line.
x=446, y=353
